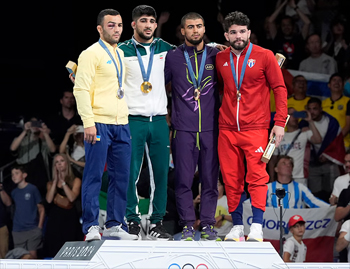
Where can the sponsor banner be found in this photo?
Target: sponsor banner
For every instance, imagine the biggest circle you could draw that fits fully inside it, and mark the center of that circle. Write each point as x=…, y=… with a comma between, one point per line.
x=320, y=228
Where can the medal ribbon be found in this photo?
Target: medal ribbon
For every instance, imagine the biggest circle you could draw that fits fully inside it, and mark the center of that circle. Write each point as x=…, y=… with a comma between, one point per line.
x=243, y=68
x=120, y=75
x=145, y=75
x=196, y=83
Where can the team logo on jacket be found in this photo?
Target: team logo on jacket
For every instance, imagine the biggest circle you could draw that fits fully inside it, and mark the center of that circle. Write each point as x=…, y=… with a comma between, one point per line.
x=251, y=62
x=209, y=67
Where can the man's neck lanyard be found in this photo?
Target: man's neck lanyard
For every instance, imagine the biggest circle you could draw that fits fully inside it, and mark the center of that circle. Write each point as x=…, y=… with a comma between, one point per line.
x=196, y=82
x=238, y=86
x=146, y=86
x=120, y=92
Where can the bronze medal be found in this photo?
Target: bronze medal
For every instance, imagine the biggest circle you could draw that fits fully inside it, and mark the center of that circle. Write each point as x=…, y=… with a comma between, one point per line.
x=146, y=87
x=196, y=94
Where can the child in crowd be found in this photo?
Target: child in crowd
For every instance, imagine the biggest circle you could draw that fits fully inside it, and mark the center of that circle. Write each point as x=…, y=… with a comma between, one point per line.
x=294, y=249
x=29, y=213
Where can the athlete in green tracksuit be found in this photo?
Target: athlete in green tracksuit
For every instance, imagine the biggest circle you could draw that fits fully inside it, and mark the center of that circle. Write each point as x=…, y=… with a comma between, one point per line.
x=144, y=58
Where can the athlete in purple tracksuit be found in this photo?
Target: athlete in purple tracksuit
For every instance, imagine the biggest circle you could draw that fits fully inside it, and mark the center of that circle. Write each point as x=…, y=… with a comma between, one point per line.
x=195, y=125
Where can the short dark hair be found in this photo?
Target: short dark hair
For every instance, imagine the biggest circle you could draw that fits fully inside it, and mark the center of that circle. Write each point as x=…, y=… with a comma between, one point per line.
x=311, y=35
x=298, y=76
x=104, y=13
x=20, y=167
x=280, y=157
x=143, y=10
x=190, y=16
x=286, y=17
x=314, y=100
x=335, y=75
x=237, y=18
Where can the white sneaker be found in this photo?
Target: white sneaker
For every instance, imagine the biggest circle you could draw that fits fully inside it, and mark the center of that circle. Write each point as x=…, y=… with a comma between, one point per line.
x=236, y=234
x=93, y=233
x=118, y=233
x=256, y=233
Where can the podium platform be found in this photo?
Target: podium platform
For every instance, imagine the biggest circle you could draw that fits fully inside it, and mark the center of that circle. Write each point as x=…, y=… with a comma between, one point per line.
x=117, y=254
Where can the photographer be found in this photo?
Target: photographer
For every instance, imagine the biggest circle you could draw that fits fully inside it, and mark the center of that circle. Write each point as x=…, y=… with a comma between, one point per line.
x=33, y=148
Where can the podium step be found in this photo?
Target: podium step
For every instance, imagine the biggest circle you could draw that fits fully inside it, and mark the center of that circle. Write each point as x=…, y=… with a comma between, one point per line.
x=164, y=255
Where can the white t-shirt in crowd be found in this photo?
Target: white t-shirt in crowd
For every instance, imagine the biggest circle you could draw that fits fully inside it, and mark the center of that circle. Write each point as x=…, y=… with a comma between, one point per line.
x=297, y=251
x=341, y=183
x=297, y=151
x=346, y=228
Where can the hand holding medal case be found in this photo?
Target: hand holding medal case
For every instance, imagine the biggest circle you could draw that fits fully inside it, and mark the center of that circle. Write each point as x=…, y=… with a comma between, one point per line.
x=72, y=68
x=271, y=145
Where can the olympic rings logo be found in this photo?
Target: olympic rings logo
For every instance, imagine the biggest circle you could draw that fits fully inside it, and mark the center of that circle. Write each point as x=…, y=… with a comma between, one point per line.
x=188, y=266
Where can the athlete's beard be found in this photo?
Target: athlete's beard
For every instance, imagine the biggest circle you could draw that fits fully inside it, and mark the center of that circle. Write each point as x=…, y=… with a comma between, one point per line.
x=239, y=47
x=143, y=36
x=194, y=42
x=109, y=39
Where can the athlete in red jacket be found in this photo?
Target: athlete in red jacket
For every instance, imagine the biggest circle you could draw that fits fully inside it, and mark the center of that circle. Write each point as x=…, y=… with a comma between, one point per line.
x=246, y=72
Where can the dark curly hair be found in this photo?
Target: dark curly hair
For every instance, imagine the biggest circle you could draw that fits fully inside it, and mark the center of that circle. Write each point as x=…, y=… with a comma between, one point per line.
x=237, y=18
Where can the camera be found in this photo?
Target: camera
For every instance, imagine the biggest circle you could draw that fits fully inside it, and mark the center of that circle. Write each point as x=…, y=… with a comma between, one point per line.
x=280, y=193
x=36, y=123
x=300, y=114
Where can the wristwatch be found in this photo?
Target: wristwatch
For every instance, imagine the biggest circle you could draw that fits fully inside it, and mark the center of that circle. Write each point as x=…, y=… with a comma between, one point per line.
x=222, y=217
x=64, y=183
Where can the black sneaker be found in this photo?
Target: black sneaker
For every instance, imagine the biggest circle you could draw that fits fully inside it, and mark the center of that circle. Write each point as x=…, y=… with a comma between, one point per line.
x=135, y=228
x=158, y=232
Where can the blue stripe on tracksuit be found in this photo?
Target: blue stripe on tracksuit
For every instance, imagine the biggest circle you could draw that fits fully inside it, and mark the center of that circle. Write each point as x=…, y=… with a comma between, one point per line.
x=297, y=194
x=114, y=148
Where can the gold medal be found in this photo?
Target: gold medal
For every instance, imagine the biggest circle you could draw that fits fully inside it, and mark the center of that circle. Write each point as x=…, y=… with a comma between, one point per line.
x=146, y=87
x=196, y=94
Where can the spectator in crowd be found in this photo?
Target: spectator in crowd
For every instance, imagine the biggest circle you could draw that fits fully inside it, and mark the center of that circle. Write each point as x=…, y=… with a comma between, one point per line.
x=343, y=241
x=326, y=157
x=338, y=105
x=342, y=212
x=341, y=182
x=294, y=144
x=223, y=218
x=18, y=253
x=65, y=118
x=317, y=62
x=298, y=195
x=63, y=194
x=288, y=41
x=76, y=153
x=299, y=99
x=294, y=249
x=337, y=45
x=29, y=213
x=33, y=148
x=5, y=201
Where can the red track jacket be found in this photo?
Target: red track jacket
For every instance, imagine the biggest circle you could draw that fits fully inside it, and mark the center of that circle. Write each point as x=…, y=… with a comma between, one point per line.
x=252, y=112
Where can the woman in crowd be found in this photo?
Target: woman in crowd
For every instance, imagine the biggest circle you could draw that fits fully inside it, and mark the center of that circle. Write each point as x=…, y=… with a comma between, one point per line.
x=63, y=193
